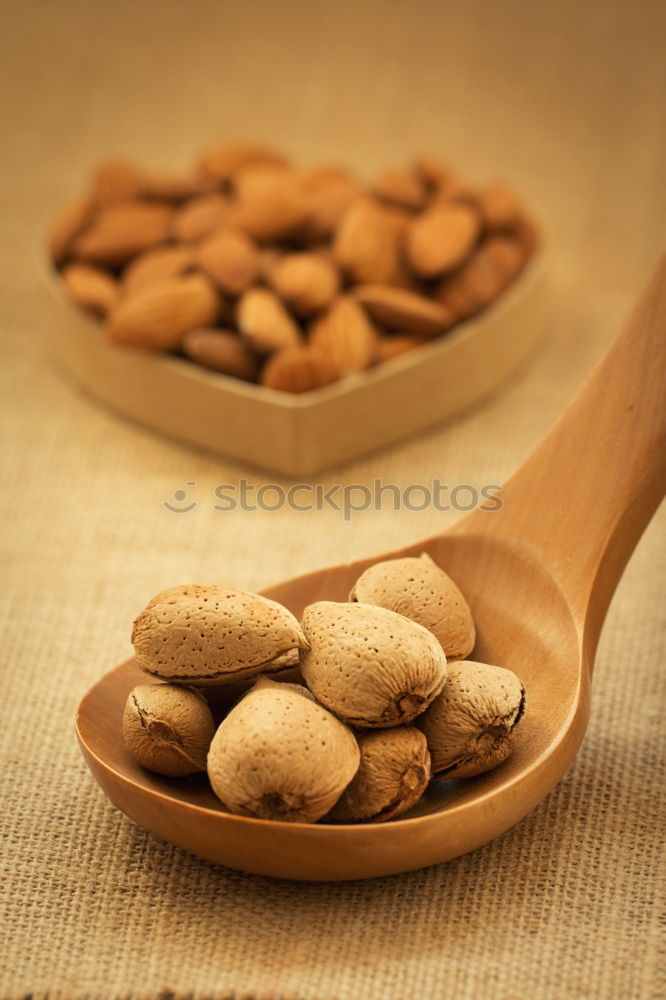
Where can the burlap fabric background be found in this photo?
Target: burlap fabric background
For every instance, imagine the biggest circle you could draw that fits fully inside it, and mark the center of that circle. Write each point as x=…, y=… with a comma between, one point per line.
x=567, y=102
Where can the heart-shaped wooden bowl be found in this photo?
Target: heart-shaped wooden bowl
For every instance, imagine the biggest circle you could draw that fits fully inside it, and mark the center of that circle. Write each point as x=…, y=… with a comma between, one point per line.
x=299, y=435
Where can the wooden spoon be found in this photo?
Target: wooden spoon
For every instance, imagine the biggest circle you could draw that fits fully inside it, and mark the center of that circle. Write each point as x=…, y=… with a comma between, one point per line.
x=539, y=575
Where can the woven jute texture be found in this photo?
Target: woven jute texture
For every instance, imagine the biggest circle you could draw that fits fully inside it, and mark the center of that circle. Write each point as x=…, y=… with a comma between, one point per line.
x=566, y=101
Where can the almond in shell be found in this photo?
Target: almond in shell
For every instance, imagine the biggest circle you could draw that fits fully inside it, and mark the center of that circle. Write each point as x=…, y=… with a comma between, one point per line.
x=208, y=634
x=280, y=756
x=392, y=776
x=168, y=728
x=158, y=316
x=222, y=697
x=419, y=589
x=372, y=667
x=470, y=725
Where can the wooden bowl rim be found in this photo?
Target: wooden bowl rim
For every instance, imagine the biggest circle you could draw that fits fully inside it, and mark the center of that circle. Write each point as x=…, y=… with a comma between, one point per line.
x=353, y=382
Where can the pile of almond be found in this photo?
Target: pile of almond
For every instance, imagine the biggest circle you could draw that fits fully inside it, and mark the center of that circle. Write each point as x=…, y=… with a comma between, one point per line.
x=289, y=276
x=347, y=714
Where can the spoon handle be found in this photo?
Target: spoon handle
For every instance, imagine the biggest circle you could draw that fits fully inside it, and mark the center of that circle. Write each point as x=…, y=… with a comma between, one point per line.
x=585, y=496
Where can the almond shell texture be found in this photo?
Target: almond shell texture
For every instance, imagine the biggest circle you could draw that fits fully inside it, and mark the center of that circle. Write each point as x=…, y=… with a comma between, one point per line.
x=420, y=590
x=168, y=728
x=371, y=666
x=469, y=726
x=223, y=697
x=280, y=756
x=207, y=634
x=392, y=776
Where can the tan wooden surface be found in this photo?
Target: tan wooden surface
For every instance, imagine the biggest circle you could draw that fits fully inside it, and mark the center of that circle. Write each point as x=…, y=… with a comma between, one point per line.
x=568, y=102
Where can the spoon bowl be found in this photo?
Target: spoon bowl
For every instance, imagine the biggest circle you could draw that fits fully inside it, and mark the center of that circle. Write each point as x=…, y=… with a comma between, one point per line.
x=538, y=574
